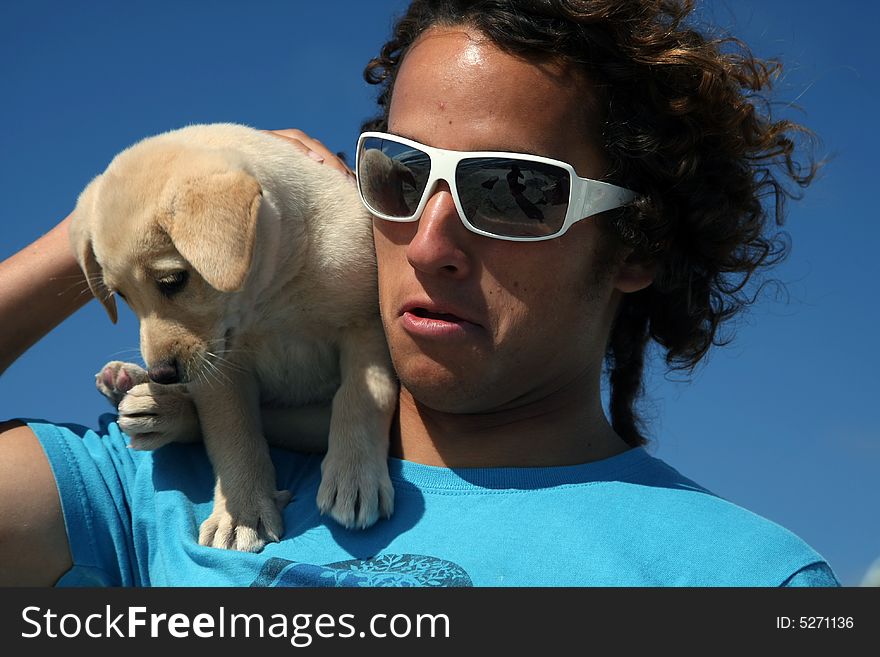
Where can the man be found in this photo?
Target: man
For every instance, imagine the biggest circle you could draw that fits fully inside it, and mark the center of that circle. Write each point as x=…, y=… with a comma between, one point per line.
x=506, y=469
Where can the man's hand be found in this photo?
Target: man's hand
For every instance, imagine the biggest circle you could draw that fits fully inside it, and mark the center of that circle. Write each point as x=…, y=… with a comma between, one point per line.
x=313, y=148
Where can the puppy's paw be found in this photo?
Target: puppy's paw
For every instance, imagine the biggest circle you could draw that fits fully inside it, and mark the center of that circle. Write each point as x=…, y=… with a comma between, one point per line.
x=116, y=378
x=154, y=415
x=246, y=527
x=355, y=491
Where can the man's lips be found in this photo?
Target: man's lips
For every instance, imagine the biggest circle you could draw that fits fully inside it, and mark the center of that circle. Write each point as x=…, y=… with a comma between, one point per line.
x=428, y=319
x=434, y=311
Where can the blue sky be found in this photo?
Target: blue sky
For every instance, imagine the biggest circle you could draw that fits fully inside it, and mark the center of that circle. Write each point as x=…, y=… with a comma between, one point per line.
x=783, y=421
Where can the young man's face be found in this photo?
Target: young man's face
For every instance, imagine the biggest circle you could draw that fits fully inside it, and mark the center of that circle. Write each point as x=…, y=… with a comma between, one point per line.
x=477, y=324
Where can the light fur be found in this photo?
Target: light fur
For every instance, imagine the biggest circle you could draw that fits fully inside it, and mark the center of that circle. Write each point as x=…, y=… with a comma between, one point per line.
x=279, y=310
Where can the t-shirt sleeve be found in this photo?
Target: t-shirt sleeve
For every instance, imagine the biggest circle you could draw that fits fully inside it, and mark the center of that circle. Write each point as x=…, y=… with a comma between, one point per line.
x=94, y=471
x=817, y=574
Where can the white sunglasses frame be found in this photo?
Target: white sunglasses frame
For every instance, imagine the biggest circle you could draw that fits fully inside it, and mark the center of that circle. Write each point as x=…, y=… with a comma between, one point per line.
x=586, y=197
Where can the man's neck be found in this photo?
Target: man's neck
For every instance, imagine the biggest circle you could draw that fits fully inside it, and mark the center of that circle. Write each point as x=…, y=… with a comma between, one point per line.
x=562, y=430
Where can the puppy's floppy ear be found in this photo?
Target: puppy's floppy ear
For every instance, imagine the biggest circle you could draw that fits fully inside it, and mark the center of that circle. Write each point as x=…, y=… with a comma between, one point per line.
x=81, y=243
x=212, y=222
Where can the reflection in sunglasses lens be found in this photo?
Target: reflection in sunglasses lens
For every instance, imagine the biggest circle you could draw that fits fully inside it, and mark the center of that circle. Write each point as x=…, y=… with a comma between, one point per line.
x=392, y=176
x=514, y=198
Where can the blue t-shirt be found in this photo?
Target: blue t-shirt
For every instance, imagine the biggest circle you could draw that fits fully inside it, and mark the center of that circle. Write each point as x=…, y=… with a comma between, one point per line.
x=631, y=520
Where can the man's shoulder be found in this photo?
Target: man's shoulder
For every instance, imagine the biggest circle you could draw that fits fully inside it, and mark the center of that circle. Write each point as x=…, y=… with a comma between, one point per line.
x=713, y=541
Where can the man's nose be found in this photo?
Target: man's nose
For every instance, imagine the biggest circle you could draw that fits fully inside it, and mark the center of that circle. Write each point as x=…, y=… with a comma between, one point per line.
x=439, y=245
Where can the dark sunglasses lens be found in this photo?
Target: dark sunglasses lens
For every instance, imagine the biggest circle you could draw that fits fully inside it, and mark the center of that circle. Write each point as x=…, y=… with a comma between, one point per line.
x=513, y=198
x=392, y=176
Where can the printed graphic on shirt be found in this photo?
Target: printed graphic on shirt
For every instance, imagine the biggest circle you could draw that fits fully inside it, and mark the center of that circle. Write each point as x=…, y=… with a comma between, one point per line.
x=384, y=570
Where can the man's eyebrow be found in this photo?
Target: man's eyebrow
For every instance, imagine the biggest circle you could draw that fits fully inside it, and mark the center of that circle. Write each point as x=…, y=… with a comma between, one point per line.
x=508, y=148
x=405, y=135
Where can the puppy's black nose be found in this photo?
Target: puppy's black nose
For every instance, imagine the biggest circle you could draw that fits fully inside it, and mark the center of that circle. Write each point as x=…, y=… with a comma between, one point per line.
x=164, y=372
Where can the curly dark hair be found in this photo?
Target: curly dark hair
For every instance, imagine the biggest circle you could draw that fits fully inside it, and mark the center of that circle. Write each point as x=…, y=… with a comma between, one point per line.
x=688, y=124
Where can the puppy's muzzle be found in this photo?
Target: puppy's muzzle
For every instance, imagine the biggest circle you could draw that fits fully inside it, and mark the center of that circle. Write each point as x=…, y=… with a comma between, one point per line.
x=164, y=372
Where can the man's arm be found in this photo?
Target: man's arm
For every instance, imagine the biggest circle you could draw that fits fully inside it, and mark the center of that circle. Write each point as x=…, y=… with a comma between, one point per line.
x=33, y=540
x=40, y=286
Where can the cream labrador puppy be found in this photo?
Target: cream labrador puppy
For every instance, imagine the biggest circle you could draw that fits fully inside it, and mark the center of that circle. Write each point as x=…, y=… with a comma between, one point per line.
x=251, y=269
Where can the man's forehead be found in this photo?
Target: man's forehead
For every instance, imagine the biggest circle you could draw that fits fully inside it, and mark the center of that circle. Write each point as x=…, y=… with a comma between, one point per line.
x=463, y=93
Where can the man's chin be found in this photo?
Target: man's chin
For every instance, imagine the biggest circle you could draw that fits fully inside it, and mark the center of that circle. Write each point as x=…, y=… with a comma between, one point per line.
x=444, y=395
x=454, y=384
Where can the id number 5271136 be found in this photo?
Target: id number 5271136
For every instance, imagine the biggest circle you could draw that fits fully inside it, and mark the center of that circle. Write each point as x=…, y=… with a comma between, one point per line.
x=815, y=622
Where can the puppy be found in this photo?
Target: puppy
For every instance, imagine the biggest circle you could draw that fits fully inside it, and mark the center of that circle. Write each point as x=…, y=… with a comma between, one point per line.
x=251, y=269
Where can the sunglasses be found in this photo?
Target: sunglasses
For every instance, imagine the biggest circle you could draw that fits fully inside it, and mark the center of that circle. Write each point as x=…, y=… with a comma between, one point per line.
x=508, y=196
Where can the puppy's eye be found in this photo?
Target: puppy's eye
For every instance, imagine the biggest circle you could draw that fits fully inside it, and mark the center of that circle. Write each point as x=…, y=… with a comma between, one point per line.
x=173, y=283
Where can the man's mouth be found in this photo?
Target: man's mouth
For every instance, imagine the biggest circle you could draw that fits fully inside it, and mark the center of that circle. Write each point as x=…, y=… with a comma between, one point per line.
x=429, y=314
x=435, y=322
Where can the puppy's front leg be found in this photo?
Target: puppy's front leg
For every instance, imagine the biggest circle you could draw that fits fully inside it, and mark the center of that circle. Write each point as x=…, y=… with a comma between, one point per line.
x=246, y=506
x=355, y=486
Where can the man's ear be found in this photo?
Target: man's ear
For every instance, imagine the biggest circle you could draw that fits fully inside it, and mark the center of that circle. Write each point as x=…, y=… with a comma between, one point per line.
x=81, y=242
x=212, y=222
x=636, y=273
